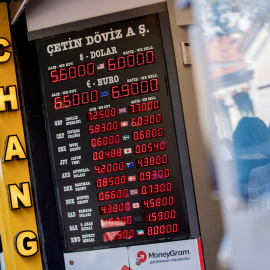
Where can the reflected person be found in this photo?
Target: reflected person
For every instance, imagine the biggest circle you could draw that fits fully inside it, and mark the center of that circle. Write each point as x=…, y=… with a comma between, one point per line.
x=251, y=148
x=259, y=188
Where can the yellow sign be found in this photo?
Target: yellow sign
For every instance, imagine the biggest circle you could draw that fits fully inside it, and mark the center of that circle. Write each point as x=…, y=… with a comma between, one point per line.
x=17, y=214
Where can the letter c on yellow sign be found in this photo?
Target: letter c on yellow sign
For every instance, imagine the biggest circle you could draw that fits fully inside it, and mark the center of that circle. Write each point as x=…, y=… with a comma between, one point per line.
x=26, y=243
x=4, y=55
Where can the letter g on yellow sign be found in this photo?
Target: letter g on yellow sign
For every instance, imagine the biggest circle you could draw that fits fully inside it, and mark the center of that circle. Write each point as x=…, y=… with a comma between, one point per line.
x=26, y=243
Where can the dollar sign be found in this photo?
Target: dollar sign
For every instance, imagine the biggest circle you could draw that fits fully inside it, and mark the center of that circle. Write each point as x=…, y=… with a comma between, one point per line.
x=88, y=84
x=142, y=29
x=81, y=56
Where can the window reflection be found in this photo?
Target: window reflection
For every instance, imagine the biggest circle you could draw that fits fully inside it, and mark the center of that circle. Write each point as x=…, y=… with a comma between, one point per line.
x=237, y=45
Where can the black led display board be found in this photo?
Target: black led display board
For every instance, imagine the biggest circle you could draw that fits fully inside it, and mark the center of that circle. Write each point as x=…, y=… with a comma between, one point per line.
x=112, y=136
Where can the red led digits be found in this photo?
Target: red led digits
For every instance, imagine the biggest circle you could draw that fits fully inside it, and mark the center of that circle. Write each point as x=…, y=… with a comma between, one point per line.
x=148, y=134
x=149, y=147
x=105, y=127
x=54, y=76
x=69, y=73
x=118, y=235
x=108, y=168
x=144, y=107
x=150, y=57
x=131, y=60
x=116, y=222
x=159, y=216
x=112, y=195
x=158, y=202
x=152, y=161
x=146, y=120
x=157, y=188
x=140, y=59
x=107, y=154
x=103, y=141
x=162, y=229
x=114, y=208
x=154, y=175
x=133, y=89
x=101, y=114
x=76, y=99
x=111, y=181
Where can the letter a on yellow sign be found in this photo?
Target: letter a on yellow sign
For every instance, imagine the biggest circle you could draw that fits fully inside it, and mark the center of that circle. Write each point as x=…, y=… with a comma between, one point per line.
x=13, y=148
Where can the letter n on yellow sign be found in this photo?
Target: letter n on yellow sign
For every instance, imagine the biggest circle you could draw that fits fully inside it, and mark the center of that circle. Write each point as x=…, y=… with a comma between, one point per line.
x=19, y=196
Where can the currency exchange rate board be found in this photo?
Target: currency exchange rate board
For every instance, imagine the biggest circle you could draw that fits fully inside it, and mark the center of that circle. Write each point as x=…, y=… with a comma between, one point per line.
x=112, y=137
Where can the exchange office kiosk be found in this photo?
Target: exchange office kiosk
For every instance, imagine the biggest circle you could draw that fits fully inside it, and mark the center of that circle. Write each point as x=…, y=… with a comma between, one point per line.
x=121, y=194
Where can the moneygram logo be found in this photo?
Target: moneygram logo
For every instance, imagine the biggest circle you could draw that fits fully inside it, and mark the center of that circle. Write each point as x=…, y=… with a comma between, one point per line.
x=141, y=256
x=172, y=253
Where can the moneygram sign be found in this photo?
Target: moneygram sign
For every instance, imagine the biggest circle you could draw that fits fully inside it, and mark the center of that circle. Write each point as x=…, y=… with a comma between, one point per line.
x=141, y=255
x=167, y=255
x=175, y=255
